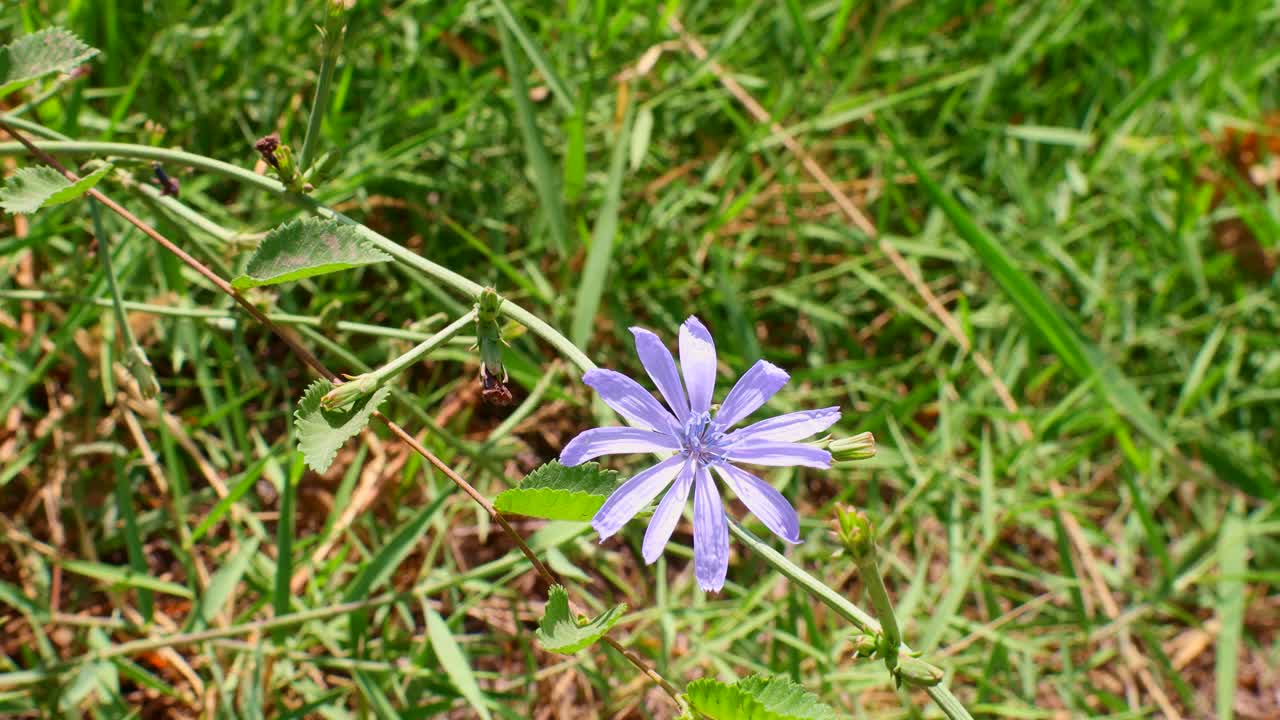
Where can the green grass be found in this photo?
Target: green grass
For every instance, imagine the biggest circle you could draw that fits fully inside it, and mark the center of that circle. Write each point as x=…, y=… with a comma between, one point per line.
x=1050, y=186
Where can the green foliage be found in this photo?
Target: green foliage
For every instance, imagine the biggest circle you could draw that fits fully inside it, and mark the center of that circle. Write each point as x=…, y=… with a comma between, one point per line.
x=121, y=577
x=556, y=492
x=756, y=698
x=304, y=248
x=40, y=53
x=321, y=432
x=454, y=661
x=560, y=632
x=1088, y=170
x=31, y=189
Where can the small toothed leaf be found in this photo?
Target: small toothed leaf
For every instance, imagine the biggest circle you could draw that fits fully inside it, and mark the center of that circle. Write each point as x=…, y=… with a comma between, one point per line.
x=303, y=248
x=556, y=492
x=321, y=432
x=560, y=632
x=756, y=698
x=40, y=53
x=40, y=187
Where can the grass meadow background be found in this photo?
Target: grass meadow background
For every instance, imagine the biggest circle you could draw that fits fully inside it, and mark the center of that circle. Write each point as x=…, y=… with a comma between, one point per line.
x=1103, y=549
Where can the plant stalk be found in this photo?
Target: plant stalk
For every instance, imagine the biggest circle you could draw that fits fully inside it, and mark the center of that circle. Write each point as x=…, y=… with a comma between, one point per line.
x=334, y=32
x=440, y=273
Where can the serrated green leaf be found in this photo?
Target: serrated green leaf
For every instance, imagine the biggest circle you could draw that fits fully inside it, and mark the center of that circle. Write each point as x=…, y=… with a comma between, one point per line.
x=756, y=698
x=556, y=492
x=560, y=632
x=31, y=189
x=40, y=53
x=321, y=432
x=303, y=248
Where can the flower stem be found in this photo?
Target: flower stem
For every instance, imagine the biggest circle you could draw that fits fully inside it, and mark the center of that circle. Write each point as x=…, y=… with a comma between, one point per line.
x=220, y=318
x=309, y=358
x=117, y=302
x=438, y=272
x=869, y=569
x=393, y=368
x=815, y=587
x=950, y=706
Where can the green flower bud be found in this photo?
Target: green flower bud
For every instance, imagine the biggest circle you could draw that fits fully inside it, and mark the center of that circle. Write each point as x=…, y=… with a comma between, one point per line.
x=855, y=531
x=493, y=376
x=866, y=646
x=140, y=368
x=858, y=447
x=917, y=673
x=349, y=392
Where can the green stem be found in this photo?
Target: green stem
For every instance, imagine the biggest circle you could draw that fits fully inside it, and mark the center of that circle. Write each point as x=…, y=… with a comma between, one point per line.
x=334, y=31
x=212, y=315
x=815, y=587
x=438, y=272
x=869, y=569
x=393, y=368
x=865, y=622
x=117, y=302
x=24, y=678
x=840, y=604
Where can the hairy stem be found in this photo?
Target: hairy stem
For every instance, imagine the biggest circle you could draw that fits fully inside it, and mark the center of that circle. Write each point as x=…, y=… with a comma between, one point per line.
x=312, y=361
x=869, y=570
x=394, y=367
x=438, y=272
x=218, y=318
x=841, y=605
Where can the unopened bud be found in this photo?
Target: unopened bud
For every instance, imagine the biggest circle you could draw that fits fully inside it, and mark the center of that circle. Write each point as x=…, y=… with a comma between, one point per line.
x=493, y=376
x=348, y=392
x=866, y=646
x=858, y=447
x=855, y=531
x=917, y=673
x=140, y=368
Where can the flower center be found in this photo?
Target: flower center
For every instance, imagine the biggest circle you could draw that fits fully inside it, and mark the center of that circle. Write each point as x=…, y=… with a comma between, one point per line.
x=701, y=440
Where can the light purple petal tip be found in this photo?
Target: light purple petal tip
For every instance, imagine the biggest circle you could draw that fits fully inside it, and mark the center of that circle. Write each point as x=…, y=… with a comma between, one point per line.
x=661, y=367
x=633, y=495
x=631, y=401
x=756, y=452
x=698, y=361
x=751, y=391
x=789, y=427
x=615, y=441
x=763, y=501
x=667, y=515
x=710, y=534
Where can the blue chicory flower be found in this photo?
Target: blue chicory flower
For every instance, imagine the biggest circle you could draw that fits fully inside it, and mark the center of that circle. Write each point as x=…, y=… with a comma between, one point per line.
x=702, y=442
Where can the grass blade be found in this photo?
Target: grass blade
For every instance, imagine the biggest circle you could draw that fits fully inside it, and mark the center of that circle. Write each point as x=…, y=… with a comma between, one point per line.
x=125, y=577
x=222, y=585
x=379, y=568
x=512, y=25
x=597, y=267
x=1084, y=360
x=281, y=593
x=548, y=180
x=454, y=661
x=132, y=536
x=1233, y=544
